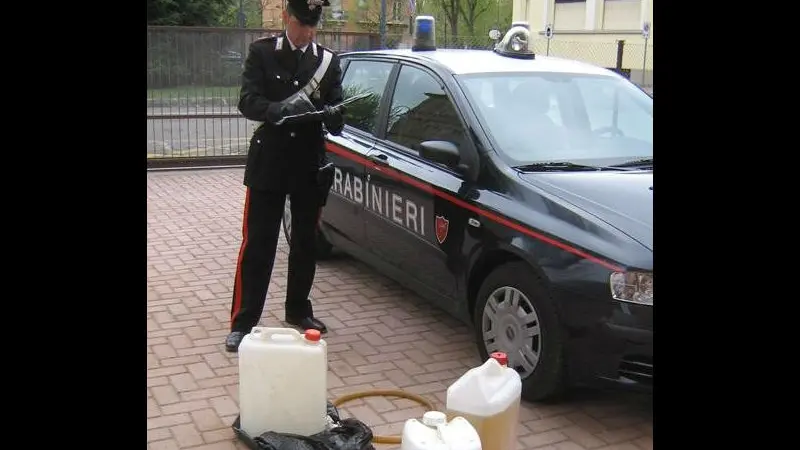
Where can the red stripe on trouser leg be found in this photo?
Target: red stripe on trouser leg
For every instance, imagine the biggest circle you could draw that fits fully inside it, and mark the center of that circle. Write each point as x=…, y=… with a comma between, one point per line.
x=237, y=283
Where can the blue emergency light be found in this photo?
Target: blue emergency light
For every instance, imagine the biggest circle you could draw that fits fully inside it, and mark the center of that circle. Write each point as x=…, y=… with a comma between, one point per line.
x=424, y=33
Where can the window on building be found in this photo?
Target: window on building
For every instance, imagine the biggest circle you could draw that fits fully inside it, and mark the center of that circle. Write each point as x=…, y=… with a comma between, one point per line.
x=622, y=15
x=397, y=10
x=337, y=12
x=365, y=77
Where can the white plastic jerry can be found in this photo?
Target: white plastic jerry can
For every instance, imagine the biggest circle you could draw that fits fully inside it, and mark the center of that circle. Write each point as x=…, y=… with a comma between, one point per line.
x=488, y=396
x=283, y=382
x=435, y=433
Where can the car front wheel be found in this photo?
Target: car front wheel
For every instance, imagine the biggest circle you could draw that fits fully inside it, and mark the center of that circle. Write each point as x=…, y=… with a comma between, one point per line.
x=323, y=247
x=514, y=314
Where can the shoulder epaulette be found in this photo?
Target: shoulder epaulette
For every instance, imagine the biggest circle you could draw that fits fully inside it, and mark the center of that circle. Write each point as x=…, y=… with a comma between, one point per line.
x=326, y=48
x=265, y=39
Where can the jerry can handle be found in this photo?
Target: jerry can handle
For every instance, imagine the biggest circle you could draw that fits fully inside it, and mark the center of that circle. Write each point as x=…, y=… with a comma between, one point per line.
x=278, y=335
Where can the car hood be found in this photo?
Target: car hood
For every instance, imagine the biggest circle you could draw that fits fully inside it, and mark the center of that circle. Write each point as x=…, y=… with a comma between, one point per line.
x=623, y=200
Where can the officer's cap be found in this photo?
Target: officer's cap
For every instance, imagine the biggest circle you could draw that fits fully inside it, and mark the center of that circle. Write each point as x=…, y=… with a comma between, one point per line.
x=308, y=12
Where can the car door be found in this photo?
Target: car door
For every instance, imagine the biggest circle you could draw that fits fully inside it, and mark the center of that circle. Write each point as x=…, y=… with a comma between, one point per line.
x=343, y=215
x=413, y=224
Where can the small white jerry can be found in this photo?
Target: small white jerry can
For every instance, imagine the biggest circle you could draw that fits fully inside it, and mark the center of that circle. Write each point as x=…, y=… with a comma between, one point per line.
x=435, y=433
x=283, y=381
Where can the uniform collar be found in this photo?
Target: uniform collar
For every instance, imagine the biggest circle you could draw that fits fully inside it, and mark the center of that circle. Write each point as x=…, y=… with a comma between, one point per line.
x=291, y=44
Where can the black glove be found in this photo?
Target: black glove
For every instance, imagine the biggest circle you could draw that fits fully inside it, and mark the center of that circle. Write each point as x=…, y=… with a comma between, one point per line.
x=333, y=118
x=295, y=109
x=274, y=112
x=332, y=111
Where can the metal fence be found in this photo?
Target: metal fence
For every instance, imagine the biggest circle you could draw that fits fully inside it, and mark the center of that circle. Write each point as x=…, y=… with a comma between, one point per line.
x=193, y=77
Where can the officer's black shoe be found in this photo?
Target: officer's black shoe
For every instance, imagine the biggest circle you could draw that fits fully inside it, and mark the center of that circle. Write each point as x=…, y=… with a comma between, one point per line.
x=308, y=323
x=233, y=340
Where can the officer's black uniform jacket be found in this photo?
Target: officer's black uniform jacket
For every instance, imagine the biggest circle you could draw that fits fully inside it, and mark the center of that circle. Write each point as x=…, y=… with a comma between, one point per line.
x=280, y=155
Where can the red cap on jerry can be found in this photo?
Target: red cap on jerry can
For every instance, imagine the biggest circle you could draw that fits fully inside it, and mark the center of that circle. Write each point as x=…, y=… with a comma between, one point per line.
x=500, y=357
x=312, y=335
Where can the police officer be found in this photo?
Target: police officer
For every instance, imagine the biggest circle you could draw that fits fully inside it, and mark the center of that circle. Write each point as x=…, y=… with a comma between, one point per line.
x=290, y=85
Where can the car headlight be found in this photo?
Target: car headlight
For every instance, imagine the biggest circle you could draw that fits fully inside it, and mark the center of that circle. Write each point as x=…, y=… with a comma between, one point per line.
x=632, y=287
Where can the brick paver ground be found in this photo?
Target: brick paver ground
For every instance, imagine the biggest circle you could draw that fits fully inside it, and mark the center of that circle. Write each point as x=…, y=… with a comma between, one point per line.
x=382, y=336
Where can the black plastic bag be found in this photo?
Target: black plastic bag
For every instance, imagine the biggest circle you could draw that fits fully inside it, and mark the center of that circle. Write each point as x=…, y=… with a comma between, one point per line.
x=347, y=434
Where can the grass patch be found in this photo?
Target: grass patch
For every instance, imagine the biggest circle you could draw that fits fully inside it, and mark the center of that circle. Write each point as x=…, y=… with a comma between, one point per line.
x=229, y=92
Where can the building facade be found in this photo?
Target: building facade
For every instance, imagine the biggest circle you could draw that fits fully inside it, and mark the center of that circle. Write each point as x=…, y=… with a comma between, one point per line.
x=590, y=30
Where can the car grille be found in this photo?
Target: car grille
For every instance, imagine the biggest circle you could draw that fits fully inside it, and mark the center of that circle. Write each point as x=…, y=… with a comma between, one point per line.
x=637, y=368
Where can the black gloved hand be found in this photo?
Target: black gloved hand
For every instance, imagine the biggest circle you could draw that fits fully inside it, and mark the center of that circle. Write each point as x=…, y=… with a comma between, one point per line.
x=297, y=108
x=329, y=111
x=274, y=112
x=333, y=118
x=333, y=111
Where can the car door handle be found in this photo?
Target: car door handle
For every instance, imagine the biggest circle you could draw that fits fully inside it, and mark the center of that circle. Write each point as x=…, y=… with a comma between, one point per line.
x=379, y=158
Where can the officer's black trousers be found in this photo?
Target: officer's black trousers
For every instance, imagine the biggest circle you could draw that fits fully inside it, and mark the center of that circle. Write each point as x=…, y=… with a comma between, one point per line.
x=263, y=211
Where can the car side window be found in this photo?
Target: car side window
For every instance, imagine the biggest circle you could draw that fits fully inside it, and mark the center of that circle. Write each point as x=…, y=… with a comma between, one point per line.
x=422, y=111
x=364, y=77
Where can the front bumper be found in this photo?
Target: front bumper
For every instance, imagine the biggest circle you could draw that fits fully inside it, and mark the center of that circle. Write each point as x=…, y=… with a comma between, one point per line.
x=631, y=356
x=617, y=351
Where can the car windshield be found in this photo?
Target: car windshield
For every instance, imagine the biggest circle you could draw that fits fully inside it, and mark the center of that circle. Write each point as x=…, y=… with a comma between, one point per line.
x=546, y=117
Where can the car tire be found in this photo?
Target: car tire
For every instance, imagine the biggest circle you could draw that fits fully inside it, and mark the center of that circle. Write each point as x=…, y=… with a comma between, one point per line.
x=322, y=247
x=508, y=332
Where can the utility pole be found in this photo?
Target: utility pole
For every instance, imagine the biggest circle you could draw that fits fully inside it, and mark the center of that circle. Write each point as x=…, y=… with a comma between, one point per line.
x=241, y=19
x=383, y=24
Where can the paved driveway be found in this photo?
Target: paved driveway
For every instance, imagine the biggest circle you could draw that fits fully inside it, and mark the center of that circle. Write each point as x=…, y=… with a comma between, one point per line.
x=382, y=336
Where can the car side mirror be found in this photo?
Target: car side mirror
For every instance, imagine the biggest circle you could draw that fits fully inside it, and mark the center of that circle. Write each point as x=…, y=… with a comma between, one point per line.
x=442, y=152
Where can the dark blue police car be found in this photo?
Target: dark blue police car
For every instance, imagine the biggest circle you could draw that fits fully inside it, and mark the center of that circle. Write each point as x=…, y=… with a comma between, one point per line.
x=514, y=191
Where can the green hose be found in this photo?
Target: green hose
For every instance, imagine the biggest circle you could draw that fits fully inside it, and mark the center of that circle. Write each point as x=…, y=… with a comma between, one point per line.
x=385, y=393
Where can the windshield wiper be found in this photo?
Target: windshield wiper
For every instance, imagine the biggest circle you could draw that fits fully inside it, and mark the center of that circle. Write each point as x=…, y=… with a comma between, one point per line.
x=645, y=162
x=563, y=166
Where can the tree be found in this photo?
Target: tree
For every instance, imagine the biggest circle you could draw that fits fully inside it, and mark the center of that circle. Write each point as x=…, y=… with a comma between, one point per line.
x=367, y=13
x=477, y=17
x=186, y=12
x=470, y=11
x=451, y=10
x=252, y=13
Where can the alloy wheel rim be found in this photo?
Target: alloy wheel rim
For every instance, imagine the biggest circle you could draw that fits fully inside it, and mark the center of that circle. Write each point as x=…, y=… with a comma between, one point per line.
x=510, y=324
